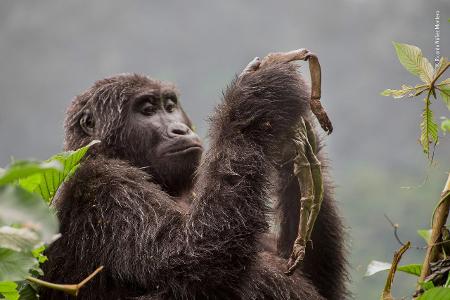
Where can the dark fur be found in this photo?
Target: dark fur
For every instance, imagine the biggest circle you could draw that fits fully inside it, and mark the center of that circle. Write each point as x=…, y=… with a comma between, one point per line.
x=114, y=214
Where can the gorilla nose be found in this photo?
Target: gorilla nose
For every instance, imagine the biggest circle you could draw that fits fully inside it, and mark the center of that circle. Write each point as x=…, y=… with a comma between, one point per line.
x=177, y=129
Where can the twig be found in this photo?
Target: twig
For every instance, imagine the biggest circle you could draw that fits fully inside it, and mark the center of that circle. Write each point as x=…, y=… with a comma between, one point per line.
x=396, y=226
x=71, y=289
x=386, y=295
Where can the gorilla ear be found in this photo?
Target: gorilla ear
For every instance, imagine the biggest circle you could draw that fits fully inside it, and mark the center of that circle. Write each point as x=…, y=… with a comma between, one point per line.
x=87, y=122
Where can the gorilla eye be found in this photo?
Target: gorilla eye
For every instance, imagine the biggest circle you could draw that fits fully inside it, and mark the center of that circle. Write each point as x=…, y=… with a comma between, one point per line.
x=147, y=108
x=170, y=106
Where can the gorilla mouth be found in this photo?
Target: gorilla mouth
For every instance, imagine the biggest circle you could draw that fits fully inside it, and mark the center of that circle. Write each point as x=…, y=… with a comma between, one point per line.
x=183, y=149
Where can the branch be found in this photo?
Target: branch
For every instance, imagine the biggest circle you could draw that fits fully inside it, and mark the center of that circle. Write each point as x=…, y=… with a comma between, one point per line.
x=71, y=289
x=439, y=219
x=397, y=256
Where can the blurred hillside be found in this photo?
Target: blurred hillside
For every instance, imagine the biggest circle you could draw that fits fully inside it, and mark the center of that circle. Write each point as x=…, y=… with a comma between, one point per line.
x=50, y=51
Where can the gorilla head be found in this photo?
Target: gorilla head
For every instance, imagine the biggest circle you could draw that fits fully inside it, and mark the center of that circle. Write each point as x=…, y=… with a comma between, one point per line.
x=139, y=120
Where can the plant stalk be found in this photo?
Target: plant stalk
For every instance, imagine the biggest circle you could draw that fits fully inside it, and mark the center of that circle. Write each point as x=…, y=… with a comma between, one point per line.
x=386, y=295
x=439, y=219
x=71, y=289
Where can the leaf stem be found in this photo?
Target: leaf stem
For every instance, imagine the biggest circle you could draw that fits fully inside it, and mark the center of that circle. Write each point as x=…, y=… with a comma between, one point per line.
x=438, y=75
x=71, y=289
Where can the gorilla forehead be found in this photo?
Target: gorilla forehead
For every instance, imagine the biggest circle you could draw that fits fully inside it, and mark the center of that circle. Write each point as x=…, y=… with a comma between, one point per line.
x=118, y=89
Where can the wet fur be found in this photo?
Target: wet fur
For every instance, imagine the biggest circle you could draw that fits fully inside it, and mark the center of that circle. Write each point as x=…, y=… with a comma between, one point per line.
x=115, y=214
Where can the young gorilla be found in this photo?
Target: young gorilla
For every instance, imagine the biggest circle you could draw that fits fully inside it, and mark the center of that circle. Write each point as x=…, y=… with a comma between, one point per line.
x=168, y=224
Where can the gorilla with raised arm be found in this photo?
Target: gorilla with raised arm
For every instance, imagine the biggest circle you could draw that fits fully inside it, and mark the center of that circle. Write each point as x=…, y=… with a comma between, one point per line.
x=167, y=222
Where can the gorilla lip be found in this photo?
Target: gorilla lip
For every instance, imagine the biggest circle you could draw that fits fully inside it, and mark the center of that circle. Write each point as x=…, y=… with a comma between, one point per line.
x=184, y=149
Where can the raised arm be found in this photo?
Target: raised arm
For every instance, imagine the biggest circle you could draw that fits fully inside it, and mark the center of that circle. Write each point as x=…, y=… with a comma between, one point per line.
x=218, y=238
x=248, y=130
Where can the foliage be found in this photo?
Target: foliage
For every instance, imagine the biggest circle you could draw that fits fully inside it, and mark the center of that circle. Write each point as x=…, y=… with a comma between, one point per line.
x=27, y=223
x=47, y=182
x=378, y=266
x=412, y=60
x=430, y=291
x=439, y=293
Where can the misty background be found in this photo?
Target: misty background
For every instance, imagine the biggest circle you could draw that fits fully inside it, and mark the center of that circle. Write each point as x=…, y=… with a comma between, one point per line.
x=51, y=51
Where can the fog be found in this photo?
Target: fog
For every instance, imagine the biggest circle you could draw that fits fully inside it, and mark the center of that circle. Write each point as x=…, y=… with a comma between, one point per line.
x=51, y=51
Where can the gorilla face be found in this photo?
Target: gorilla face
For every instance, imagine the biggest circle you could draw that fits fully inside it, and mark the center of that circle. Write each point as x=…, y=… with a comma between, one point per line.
x=163, y=118
x=161, y=140
x=139, y=120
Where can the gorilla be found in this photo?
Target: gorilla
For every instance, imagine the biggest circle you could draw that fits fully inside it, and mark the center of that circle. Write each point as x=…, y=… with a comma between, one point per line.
x=169, y=222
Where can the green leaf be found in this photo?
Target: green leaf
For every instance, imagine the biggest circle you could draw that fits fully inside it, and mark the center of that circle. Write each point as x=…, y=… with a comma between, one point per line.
x=378, y=266
x=441, y=65
x=406, y=90
x=445, y=125
x=38, y=253
x=426, y=285
x=14, y=266
x=413, y=269
x=18, y=239
x=47, y=183
x=444, y=89
x=18, y=206
x=27, y=291
x=410, y=57
x=9, y=290
x=427, y=71
x=23, y=168
x=438, y=293
x=395, y=93
x=429, y=129
x=420, y=89
x=425, y=234
x=447, y=282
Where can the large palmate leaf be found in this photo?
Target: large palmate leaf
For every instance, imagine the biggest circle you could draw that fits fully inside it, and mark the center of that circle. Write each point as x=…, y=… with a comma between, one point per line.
x=18, y=239
x=411, y=58
x=23, y=168
x=47, y=183
x=20, y=207
x=14, y=266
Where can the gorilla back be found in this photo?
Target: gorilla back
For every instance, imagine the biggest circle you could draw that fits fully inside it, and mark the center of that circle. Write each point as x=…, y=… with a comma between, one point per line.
x=167, y=222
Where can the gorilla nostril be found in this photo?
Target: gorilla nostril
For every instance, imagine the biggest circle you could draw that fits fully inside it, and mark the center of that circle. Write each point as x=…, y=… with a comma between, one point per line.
x=178, y=129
